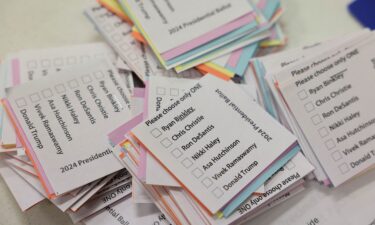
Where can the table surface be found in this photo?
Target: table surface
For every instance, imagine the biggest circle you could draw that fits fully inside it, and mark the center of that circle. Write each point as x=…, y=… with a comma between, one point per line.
x=45, y=23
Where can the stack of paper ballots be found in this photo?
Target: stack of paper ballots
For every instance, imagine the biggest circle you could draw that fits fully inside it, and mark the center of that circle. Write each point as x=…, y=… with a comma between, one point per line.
x=197, y=150
x=183, y=163
x=59, y=105
x=215, y=37
x=173, y=120
x=322, y=92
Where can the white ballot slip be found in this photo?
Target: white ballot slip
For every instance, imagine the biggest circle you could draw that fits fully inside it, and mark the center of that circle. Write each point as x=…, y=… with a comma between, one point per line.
x=61, y=119
x=25, y=195
x=137, y=56
x=330, y=97
x=19, y=164
x=171, y=24
x=139, y=194
x=125, y=212
x=212, y=165
x=286, y=179
x=63, y=202
x=92, y=192
x=350, y=204
x=274, y=104
x=99, y=202
x=8, y=138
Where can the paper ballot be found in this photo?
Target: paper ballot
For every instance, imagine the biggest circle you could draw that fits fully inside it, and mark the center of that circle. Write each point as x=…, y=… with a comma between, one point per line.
x=170, y=26
x=125, y=212
x=212, y=165
x=162, y=91
x=138, y=56
x=61, y=119
x=329, y=97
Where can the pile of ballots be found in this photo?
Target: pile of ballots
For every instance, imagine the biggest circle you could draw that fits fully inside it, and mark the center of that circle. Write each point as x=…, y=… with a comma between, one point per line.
x=180, y=116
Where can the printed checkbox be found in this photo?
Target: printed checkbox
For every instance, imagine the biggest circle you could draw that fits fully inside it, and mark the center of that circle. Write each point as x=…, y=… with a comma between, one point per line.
x=132, y=56
x=323, y=132
x=302, y=95
x=71, y=60
x=197, y=173
x=160, y=91
x=47, y=93
x=60, y=88
x=99, y=75
x=84, y=59
x=73, y=83
x=217, y=192
x=32, y=65
x=330, y=144
x=344, y=168
x=309, y=107
x=57, y=62
x=46, y=63
x=187, y=163
x=173, y=92
x=207, y=182
x=316, y=119
x=290, y=165
x=86, y=79
x=21, y=102
x=125, y=47
x=176, y=153
x=116, y=37
x=155, y=132
x=166, y=142
x=34, y=97
x=336, y=155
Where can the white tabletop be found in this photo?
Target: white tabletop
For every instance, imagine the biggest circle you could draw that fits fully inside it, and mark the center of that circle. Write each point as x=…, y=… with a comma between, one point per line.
x=45, y=23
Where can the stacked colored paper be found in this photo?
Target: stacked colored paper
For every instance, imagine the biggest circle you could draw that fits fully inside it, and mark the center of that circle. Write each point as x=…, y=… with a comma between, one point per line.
x=182, y=33
x=50, y=96
x=59, y=102
x=180, y=195
x=223, y=51
x=182, y=116
x=312, y=91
